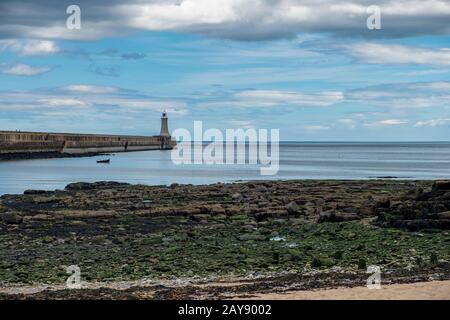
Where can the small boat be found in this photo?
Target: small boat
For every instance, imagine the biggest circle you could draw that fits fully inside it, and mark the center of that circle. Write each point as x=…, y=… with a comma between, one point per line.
x=103, y=161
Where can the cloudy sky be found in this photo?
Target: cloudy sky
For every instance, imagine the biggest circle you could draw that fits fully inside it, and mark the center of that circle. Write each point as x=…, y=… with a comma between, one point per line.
x=310, y=68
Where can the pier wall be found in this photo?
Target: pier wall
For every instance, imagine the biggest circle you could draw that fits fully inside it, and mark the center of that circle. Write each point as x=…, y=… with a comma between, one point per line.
x=68, y=143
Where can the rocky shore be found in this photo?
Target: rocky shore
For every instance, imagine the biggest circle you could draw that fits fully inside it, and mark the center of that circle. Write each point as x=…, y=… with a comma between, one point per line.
x=221, y=240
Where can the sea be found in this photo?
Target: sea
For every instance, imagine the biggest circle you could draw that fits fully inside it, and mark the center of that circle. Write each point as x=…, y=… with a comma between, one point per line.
x=297, y=160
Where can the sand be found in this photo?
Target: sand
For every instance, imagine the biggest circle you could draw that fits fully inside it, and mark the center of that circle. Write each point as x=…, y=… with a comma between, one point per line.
x=435, y=290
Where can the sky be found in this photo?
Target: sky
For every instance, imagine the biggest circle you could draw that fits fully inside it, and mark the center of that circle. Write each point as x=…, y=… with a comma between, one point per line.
x=311, y=69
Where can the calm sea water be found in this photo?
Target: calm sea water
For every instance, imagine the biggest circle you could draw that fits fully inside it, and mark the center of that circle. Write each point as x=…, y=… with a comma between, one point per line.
x=297, y=161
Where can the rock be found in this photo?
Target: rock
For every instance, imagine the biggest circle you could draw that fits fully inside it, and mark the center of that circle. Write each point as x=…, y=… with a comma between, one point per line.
x=331, y=216
x=348, y=209
x=417, y=192
x=205, y=210
x=443, y=215
x=368, y=208
x=261, y=216
x=11, y=218
x=293, y=208
x=231, y=211
x=263, y=204
x=29, y=192
x=425, y=210
x=106, y=193
x=236, y=197
x=422, y=224
x=79, y=186
x=441, y=185
x=320, y=202
x=383, y=203
x=200, y=217
x=248, y=227
x=279, y=221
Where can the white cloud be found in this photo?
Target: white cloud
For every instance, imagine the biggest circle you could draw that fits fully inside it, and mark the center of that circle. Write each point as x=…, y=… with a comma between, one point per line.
x=387, y=122
x=275, y=98
x=24, y=70
x=349, y=123
x=62, y=102
x=315, y=128
x=403, y=95
x=86, y=98
x=399, y=54
x=29, y=47
x=242, y=124
x=433, y=123
x=80, y=88
x=439, y=85
x=150, y=104
x=160, y=16
x=392, y=122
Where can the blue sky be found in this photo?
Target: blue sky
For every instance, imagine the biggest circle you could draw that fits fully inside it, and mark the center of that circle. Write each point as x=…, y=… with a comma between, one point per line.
x=318, y=77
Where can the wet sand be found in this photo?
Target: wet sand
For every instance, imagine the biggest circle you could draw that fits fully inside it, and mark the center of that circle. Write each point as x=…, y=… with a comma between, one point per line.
x=435, y=290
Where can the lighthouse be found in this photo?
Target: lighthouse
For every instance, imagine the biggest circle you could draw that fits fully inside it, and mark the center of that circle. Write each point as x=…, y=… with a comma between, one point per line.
x=164, y=135
x=164, y=126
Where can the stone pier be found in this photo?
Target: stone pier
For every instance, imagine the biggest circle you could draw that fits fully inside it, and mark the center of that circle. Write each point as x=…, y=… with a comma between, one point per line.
x=17, y=142
x=20, y=144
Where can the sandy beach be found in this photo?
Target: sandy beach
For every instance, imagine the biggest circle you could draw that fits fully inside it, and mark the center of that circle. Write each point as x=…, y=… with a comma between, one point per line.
x=435, y=290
